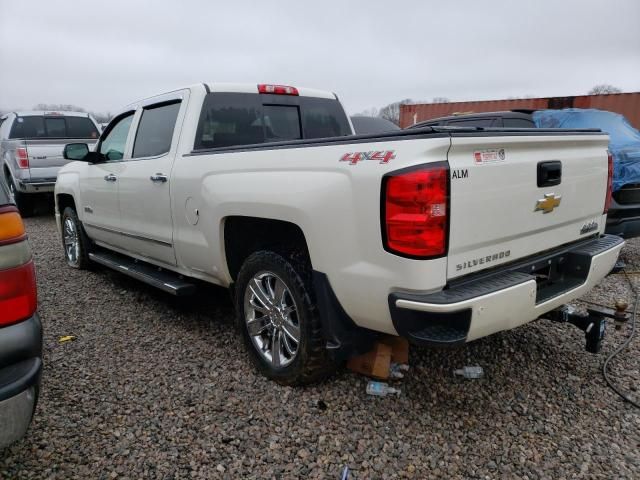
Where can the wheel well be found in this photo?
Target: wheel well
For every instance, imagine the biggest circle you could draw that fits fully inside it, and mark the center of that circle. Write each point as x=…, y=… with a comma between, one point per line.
x=65, y=200
x=245, y=235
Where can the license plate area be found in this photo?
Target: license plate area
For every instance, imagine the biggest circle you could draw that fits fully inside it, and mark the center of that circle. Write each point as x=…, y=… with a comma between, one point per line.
x=557, y=274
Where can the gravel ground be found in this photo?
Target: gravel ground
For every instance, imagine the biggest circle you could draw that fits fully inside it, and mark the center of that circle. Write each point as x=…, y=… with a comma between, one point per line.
x=154, y=387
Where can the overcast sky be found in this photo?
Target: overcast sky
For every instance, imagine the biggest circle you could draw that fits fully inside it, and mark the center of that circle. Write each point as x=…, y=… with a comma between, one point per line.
x=102, y=55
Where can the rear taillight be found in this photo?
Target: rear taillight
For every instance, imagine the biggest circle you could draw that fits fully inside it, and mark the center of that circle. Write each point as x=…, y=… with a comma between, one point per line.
x=22, y=157
x=416, y=211
x=18, y=299
x=277, y=89
x=607, y=199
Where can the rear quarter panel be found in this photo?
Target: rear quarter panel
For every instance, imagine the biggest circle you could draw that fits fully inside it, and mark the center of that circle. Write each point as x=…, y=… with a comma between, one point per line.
x=335, y=203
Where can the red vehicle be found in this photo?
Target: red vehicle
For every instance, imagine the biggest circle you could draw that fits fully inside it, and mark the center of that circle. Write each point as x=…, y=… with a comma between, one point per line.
x=20, y=328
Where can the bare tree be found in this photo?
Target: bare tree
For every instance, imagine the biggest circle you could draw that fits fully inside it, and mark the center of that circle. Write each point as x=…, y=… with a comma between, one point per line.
x=101, y=117
x=59, y=107
x=392, y=111
x=440, y=100
x=369, y=112
x=604, y=89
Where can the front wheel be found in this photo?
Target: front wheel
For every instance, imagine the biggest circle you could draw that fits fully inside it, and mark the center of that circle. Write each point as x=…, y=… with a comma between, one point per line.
x=279, y=320
x=74, y=240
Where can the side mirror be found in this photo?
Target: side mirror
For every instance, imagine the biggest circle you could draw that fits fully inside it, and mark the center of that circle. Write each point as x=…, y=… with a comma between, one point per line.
x=75, y=151
x=80, y=152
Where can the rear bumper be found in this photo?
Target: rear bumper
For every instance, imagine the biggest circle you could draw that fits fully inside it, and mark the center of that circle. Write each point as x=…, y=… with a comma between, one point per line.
x=506, y=298
x=20, y=372
x=36, y=186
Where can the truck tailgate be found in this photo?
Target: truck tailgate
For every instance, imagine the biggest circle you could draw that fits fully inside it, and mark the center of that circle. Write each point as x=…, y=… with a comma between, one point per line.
x=498, y=212
x=45, y=156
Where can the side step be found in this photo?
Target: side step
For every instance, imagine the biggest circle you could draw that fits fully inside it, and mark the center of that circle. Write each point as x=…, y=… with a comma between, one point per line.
x=165, y=280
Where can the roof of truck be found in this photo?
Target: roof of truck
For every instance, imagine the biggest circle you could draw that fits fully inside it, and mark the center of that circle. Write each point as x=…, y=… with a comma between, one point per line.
x=253, y=88
x=53, y=113
x=222, y=87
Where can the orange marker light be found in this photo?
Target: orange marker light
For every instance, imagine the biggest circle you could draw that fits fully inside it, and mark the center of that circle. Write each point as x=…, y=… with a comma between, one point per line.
x=11, y=226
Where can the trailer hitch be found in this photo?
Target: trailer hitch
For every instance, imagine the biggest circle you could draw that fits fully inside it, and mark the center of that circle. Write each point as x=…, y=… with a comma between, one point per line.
x=593, y=322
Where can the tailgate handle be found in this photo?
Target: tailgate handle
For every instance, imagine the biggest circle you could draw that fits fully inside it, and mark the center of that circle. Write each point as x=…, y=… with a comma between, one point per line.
x=549, y=173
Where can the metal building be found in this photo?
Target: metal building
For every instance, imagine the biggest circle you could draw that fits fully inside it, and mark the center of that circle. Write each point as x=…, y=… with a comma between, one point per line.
x=627, y=104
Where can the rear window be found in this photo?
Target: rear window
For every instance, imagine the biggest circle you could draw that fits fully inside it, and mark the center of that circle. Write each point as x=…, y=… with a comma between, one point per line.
x=39, y=126
x=231, y=119
x=323, y=117
x=282, y=122
x=81, y=127
x=55, y=127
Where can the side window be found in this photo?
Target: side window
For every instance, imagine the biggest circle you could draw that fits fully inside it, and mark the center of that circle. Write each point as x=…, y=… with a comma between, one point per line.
x=155, y=130
x=518, y=123
x=112, y=146
x=230, y=119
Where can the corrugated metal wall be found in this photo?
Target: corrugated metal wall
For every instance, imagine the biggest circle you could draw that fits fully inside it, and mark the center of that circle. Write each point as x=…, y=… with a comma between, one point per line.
x=627, y=104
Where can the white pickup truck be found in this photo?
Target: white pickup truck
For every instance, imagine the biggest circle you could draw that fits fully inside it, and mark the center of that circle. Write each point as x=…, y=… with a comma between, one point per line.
x=328, y=240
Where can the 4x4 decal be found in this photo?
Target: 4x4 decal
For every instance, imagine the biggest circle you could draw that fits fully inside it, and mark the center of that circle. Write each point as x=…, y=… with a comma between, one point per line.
x=383, y=156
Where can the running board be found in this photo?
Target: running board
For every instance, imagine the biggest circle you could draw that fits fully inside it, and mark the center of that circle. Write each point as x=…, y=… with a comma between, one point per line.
x=165, y=280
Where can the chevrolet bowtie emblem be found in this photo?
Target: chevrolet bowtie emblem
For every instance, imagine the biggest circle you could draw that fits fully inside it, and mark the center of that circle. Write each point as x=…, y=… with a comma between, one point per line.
x=548, y=203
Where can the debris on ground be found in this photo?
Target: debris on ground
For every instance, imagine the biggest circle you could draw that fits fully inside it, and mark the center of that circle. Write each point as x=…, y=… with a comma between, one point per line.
x=470, y=372
x=378, y=362
x=381, y=389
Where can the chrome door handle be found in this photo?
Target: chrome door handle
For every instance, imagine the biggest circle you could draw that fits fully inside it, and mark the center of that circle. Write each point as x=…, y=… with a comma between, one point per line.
x=158, y=178
x=110, y=178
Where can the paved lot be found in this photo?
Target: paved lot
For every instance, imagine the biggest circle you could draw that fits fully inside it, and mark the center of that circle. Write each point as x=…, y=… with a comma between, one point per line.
x=159, y=388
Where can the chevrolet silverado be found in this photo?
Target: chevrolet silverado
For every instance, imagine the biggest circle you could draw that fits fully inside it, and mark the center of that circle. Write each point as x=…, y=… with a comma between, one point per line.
x=328, y=240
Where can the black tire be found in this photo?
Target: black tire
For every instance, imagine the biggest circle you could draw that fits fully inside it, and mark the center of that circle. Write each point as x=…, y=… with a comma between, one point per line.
x=82, y=261
x=24, y=201
x=311, y=363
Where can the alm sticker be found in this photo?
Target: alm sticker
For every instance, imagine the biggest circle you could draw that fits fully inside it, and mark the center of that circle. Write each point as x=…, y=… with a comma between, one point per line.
x=489, y=156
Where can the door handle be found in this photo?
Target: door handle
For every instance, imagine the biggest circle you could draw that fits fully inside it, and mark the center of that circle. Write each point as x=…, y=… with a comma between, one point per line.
x=549, y=173
x=110, y=178
x=158, y=178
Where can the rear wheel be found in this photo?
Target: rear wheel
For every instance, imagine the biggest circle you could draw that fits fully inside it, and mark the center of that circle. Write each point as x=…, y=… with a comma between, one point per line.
x=75, y=242
x=279, y=320
x=24, y=201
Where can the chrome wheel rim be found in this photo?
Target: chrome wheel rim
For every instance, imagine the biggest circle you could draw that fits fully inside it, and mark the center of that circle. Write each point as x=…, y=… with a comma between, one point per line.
x=271, y=318
x=71, y=244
